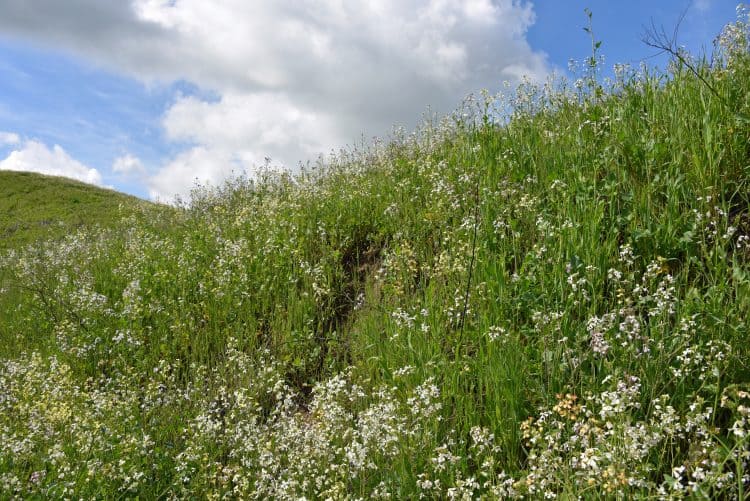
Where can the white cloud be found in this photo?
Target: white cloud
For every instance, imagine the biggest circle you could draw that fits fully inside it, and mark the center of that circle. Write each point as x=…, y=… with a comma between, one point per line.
x=253, y=126
x=9, y=138
x=294, y=78
x=197, y=165
x=128, y=165
x=37, y=157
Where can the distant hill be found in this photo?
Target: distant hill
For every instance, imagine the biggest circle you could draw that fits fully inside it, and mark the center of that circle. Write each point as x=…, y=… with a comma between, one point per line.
x=34, y=206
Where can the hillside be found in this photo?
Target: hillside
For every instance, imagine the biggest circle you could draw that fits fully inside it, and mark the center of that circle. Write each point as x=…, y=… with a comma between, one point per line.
x=543, y=295
x=34, y=206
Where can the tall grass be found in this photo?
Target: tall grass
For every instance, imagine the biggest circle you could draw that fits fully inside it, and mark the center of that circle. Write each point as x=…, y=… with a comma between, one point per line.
x=542, y=295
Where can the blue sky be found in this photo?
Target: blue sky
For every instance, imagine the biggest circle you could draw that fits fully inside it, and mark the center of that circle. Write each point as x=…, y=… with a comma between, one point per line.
x=620, y=26
x=148, y=96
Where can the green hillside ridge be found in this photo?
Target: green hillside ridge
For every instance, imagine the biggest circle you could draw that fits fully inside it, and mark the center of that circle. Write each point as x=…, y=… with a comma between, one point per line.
x=35, y=206
x=543, y=295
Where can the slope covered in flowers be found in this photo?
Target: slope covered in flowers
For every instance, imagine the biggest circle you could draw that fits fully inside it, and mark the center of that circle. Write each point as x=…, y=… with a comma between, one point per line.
x=540, y=296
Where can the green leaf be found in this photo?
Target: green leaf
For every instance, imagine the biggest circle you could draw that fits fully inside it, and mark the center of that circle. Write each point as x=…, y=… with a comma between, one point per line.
x=738, y=274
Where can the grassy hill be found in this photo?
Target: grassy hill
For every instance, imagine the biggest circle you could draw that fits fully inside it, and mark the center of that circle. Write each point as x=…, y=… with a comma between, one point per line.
x=34, y=206
x=542, y=296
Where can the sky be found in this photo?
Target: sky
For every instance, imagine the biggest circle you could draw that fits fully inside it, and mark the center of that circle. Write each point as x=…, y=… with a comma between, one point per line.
x=151, y=96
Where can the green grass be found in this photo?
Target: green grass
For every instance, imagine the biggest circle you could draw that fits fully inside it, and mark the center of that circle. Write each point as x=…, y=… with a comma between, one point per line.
x=548, y=302
x=34, y=206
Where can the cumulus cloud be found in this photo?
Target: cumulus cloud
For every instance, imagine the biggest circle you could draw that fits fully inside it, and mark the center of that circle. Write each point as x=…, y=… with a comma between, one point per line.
x=37, y=157
x=128, y=165
x=9, y=138
x=252, y=126
x=292, y=78
x=198, y=165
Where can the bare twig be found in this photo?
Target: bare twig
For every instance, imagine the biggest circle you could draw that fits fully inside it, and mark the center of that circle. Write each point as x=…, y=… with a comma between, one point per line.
x=657, y=38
